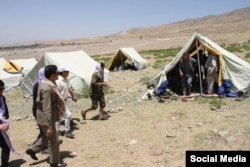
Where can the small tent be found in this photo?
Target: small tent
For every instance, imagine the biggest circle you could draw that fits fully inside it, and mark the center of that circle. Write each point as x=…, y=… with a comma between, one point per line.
x=12, y=71
x=26, y=64
x=124, y=54
x=81, y=66
x=231, y=67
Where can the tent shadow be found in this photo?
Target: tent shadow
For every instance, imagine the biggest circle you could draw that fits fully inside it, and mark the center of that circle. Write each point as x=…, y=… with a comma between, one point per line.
x=16, y=163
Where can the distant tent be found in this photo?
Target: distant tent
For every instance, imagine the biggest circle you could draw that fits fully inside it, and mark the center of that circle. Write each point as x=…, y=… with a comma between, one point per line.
x=231, y=67
x=81, y=66
x=12, y=67
x=124, y=54
x=26, y=64
x=12, y=71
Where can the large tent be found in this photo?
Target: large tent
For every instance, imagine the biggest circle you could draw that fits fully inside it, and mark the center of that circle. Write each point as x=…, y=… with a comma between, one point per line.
x=12, y=71
x=81, y=66
x=231, y=67
x=124, y=54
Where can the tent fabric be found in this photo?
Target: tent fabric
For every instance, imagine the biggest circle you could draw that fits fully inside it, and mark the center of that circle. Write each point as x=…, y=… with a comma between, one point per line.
x=12, y=67
x=81, y=66
x=231, y=67
x=26, y=64
x=127, y=53
x=12, y=79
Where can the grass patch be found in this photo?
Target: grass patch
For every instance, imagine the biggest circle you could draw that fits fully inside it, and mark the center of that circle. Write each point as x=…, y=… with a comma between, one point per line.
x=102, y=58
x=215, y=102
x=234, y=48
x=144, y=80
x=161, y=53
x=247, y=56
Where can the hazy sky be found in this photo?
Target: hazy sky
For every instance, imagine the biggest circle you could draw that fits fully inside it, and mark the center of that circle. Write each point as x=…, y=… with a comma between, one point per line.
x=41, y=20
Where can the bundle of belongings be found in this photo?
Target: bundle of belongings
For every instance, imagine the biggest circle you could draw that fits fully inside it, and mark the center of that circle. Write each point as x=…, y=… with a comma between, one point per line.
x=224, y=91
x=164, y=93
x=161, y=93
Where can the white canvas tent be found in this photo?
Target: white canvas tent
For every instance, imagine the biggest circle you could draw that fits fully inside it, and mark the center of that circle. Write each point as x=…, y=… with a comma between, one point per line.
x=81, y=66
x=231, y=67
x=12, y=80
x=127, y=53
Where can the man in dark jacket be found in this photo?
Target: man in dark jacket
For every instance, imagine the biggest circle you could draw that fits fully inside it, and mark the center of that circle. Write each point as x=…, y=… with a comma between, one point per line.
x=186, y=69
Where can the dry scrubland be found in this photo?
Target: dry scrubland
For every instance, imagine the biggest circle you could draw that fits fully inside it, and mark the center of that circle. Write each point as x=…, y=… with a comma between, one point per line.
x=141, y=133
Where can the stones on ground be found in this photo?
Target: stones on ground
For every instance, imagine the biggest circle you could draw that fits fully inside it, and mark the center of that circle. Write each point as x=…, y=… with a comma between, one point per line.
x=200, y=124
x=132, y=142
x=222, y=133
x=170, y=135
x=230, y=139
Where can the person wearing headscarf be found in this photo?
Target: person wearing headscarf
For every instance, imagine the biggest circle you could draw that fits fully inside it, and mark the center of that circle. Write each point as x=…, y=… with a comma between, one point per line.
x=96, y=92
x=5, y=142
x=40, y=76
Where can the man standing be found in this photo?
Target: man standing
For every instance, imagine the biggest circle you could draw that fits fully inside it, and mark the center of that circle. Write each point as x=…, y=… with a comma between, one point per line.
x=96, y=92
x=186, y=69
x=50, y=106
x=4, y=115
x=65, y=88
x=212, y=68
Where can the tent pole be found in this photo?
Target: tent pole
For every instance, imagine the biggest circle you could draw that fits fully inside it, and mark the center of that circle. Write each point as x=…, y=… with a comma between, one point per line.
x=198, y=58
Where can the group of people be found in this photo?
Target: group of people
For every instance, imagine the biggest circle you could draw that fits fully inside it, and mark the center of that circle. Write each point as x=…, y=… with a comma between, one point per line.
x=50, y=94
x=187, y=68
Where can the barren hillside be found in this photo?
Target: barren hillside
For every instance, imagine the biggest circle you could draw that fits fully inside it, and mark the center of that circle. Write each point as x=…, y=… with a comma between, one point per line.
x=225, y=28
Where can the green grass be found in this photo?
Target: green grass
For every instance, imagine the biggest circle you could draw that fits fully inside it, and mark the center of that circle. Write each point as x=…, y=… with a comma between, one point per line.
x=247, y=56
x=234, y=48
x=102, y=58
x=144, y=80
x=161, y=53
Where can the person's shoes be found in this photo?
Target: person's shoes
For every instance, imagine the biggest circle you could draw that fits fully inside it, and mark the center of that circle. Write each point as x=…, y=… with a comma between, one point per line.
x=58, y=165
x=69, y=135
x=60, y=133
x=61, y=164
x=45, y=151
x=32, y=154
x=83, y=121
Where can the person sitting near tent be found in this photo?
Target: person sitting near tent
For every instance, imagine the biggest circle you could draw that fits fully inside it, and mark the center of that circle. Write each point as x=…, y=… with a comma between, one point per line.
x=212, y=69
x=186, y=69
x=134, y=67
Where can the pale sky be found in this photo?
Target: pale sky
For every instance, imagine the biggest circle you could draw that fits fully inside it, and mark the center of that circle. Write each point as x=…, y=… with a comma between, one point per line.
x=42, y=20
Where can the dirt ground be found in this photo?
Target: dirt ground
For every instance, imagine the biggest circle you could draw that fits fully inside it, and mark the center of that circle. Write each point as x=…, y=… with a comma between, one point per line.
x=138, y=133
